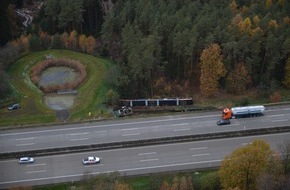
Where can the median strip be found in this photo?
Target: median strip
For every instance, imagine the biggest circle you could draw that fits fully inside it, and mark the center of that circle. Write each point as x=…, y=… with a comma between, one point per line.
x=145, y=142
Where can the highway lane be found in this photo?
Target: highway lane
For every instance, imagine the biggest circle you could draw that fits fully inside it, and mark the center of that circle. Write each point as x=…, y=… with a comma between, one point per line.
x=131, y=161
x=133, y=129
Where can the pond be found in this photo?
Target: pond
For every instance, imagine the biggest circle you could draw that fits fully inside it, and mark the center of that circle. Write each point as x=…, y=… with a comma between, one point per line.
x=57, y=76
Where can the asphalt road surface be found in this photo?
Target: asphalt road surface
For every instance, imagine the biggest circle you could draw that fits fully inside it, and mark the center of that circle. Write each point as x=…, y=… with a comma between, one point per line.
x=124, y=129
x=131, y=161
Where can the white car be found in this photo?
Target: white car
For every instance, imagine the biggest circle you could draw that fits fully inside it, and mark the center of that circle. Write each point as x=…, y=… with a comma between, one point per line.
x=91, y=160
x=26, y=160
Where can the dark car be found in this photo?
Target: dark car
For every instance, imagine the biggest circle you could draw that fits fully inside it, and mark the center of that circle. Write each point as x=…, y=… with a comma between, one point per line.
x=14, y=107
x=223, y=122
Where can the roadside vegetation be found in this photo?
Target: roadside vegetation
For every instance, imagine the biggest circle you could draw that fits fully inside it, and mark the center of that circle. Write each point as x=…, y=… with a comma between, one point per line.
x=251, y=167
x=73, y=83
x=90, y=94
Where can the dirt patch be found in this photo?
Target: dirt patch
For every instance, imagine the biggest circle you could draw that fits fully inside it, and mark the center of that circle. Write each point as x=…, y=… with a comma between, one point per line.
x=59, y=102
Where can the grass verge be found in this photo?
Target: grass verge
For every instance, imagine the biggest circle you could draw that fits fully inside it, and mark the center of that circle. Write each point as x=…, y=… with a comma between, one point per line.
x=33, y=109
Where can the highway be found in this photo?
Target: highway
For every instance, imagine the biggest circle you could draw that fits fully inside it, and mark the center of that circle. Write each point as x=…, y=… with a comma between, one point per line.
x=131, y=161
x=126, y=129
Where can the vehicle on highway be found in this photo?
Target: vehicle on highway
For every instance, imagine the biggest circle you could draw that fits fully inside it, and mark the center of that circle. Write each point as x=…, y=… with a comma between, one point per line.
x=245, y=111
x=91, y=160
x=26, y=160
x=224, y=122
x=14, y=107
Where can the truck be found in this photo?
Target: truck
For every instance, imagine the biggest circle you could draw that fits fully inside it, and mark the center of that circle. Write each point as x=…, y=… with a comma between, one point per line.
x=245, y=111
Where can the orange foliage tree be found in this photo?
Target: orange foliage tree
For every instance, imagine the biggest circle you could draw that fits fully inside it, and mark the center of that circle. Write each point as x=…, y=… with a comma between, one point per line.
x=238, y=80
x=212, y=69
x=243, y=166
x=82, y=42
x=91, y=44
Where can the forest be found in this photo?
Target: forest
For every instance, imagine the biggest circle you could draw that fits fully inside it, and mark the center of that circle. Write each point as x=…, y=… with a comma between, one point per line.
x=164, y=48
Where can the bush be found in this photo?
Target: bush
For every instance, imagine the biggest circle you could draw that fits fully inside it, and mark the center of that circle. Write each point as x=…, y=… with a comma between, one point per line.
x=210, y=181
x=276, y=97
x=243, y=102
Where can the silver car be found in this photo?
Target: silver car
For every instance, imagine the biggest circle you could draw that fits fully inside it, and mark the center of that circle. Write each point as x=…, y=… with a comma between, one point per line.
x=26, y=160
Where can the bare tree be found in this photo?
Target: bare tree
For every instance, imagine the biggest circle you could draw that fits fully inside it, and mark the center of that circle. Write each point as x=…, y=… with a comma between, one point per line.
x=284, y=149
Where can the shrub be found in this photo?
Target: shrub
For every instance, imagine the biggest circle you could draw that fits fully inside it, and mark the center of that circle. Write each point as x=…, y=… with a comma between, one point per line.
x=276, y=97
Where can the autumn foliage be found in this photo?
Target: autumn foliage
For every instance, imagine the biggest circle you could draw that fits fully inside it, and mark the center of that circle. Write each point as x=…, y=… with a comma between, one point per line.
x=212, y=69
x=238, y=80
x=276, y=97
x=38, y=68
x=243, y=166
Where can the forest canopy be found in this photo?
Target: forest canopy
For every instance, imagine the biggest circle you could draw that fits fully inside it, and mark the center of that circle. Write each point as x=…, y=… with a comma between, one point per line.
x=158, y=44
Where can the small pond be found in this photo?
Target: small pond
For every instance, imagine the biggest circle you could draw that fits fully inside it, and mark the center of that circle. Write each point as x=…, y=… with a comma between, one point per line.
x=57, y=76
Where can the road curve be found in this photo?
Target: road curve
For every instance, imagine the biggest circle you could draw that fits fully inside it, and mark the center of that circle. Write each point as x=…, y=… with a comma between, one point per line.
x=134, y=129
x=131, y=161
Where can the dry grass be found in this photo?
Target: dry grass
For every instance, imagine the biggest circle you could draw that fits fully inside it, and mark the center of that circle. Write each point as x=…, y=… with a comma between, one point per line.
x=58, y=62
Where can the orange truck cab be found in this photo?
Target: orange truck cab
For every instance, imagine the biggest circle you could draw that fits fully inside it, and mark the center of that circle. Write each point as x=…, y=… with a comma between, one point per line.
x=227, y=114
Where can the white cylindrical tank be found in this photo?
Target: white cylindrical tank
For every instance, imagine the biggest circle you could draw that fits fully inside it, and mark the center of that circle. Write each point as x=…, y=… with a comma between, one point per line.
x=248, y=110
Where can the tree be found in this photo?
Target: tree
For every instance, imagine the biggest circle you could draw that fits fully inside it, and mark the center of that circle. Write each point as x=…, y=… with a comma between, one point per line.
x=210, y=181
x=12, y=20
x=287, y=74
x=65, y=40
x=52, y=10
x=5, y=89
x=56, y=41
x=212, y=69
x=121, y=186
x=70, y=15
x=243, y=166
x=284, y=150
x=34, y=42
x=238, y=80
x=165, y=186
x=82, y=42
x=90, y=44
x=73, y=40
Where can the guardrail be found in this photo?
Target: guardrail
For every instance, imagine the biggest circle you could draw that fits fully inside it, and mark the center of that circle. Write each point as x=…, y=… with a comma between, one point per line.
x=145, y=142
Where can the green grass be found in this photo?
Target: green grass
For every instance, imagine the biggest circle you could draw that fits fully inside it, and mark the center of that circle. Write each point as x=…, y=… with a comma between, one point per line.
x=146, y=182
x=33, y=109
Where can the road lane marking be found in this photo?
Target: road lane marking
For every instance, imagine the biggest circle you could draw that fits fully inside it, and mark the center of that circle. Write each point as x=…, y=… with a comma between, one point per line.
x=181, y=124
x=147, y=153
x=73, y=134
x=34, y=165
x=29, y=138
x=111, y=125
x=102, y=131
x=121, y=170
x=27, y=144
x=32, y=172
x=149, y=160
x=130, y=134
x=278, y=115
x=245, y=144
x=280, y=120
x=185, y=129
x=178, y=144
x=82, y=139
x=129, y=129
x=199, y=148
x=196, y=155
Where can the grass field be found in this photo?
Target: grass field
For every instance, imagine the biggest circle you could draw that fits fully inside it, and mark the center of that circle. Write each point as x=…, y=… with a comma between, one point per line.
x=33, y=109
